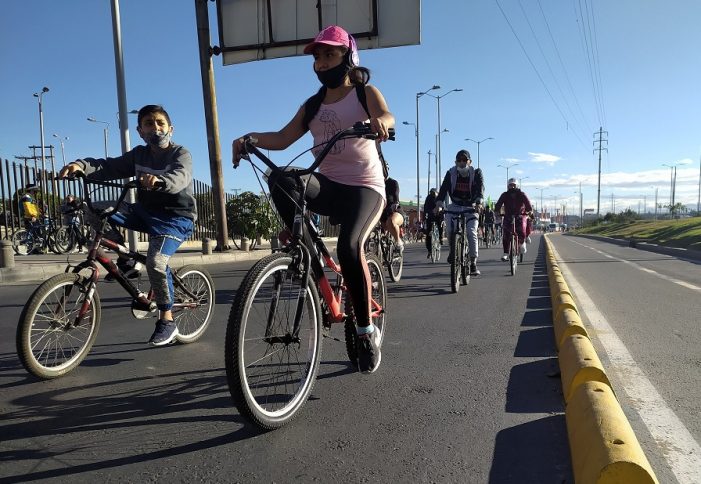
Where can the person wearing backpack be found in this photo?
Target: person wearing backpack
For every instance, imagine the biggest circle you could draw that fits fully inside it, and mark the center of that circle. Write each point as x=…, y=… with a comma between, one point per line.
x=350, y=183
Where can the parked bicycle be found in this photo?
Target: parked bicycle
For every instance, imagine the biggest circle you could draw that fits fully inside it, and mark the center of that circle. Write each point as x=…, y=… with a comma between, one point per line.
x=75, y=233
x=460, y=265
x=382, y=244
x=284, y=304
x=60, y=321
x=39, y=237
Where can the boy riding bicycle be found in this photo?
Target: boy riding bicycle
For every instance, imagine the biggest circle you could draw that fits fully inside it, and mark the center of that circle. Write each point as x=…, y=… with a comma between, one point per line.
x=165, y=209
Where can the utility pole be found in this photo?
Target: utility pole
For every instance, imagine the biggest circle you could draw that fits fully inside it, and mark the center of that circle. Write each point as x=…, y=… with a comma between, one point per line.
x=601, y=140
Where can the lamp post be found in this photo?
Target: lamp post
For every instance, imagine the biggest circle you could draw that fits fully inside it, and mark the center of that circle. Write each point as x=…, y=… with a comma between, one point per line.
x=507, y=169
x=438, y=99
x=520, y=180
x=61, y=139
x=418, y=174
x=542, y=212
x=428, y=182
x=478, y=147
x=655, y=202
x=39, y=95
x=105, y=131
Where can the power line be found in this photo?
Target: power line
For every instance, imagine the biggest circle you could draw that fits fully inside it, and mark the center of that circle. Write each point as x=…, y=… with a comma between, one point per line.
x=536, y=71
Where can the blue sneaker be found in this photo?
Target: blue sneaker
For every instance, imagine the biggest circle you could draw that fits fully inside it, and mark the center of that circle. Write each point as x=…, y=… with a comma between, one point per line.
x=369, y=355
x=165, y=333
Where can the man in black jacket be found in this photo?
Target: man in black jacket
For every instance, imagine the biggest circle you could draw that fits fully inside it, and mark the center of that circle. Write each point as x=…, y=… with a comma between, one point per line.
x=432, y=218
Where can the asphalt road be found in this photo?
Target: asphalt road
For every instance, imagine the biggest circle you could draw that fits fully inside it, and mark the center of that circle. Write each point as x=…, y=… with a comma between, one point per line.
x=468, y=390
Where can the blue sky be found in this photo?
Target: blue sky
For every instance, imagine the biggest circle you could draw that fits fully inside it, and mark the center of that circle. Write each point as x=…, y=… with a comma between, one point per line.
x=644, y=91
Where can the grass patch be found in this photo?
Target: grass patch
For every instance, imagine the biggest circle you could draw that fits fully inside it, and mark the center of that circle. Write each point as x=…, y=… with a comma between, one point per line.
x=684, y=233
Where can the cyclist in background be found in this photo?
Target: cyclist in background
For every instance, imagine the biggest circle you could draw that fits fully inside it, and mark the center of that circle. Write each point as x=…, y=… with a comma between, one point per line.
x=432, y=218
x=350, y=184
x=515, y=204
x=392, y=217
x=465, y=185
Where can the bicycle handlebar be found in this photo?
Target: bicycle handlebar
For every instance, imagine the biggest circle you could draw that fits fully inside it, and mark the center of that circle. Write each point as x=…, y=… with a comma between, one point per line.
x=358, y=130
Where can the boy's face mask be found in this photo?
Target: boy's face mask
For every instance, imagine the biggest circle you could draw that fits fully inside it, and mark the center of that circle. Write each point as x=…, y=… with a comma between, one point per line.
x=161, y=140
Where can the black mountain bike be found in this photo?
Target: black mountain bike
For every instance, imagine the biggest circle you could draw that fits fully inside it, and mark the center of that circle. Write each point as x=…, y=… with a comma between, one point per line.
x=515, y=255
x=460, y=265
x=60, y=321
x=283, y=307
x=75, y=233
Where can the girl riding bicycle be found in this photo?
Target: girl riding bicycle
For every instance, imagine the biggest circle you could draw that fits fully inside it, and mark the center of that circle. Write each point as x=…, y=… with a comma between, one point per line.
x=349, y=186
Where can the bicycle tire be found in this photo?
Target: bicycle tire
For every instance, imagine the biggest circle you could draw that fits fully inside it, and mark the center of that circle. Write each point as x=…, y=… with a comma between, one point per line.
x=22, y=242
x=192, y=316
x=455, y=264
x=65, y=240
x=395, y=262
x=379, y=295
x=44, y=319
x=465, y=267
x=513, y=261
x=267, y=300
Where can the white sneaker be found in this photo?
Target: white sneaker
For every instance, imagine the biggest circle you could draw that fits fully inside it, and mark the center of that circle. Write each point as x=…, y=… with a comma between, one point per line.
x=505, y=257
x=523, y=248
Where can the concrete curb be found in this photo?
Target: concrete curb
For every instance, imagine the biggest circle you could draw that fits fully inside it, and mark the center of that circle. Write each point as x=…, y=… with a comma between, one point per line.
x=603, y=446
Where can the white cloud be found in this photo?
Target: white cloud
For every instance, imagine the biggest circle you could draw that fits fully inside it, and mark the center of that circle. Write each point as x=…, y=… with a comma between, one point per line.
x=546, y=158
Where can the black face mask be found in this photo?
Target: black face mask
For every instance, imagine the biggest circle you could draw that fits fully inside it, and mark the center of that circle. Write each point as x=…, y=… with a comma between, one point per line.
x=332, y=78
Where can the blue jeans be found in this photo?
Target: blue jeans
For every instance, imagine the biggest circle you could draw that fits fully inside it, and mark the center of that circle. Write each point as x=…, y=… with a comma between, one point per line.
x=166, y=233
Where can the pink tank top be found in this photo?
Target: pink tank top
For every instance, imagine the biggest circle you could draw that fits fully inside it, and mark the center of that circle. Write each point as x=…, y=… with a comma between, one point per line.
x=352, y=161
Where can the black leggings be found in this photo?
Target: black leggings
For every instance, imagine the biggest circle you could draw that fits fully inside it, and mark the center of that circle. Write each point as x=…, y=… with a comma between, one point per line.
x=356, y=208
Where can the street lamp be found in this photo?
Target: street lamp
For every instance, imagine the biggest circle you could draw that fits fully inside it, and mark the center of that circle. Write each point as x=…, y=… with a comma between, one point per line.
x=105, y=131
x=542, y=212
x=520, y=179
x=507, y=170
x=438, y=98
x=478, y=147
x=39, y=95
x=418, y=175
x=61, y=139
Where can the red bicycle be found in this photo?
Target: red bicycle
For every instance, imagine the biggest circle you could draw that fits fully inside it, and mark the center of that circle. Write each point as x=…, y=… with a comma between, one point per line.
x=284, y=305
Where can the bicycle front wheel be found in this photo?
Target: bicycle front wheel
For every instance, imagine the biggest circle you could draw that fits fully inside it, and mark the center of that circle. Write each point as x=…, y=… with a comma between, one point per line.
x=64, y=240
x=194, y=302
x=22, y=242
x=456, y=263
x=50, y=341
x=272, y=362
x=513, y=258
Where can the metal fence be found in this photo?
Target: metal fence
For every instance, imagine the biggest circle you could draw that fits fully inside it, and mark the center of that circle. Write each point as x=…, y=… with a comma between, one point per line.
x=49, y=193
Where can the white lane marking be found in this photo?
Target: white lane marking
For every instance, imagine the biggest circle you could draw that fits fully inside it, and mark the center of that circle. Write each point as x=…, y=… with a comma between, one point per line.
x=685, y=284
x=675, y=442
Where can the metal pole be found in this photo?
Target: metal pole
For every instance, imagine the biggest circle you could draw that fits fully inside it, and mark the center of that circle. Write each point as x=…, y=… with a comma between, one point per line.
x=438, y=149
x=428, y=181
x=418, y=194
x=655, y=203
x=212, y=123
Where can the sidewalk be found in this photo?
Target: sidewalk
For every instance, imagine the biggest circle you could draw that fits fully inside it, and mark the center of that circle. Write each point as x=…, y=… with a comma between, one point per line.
x=39, y=267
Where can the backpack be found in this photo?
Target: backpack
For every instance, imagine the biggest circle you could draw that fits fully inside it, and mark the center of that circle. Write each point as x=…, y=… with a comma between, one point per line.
x=30, y=209
x=313, y=104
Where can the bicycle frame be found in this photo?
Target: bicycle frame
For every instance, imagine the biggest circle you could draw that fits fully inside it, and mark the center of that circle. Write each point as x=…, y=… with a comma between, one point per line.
x=311, y=260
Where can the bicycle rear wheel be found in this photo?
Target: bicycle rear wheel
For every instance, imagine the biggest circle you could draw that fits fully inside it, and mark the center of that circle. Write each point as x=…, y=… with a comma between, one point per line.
x=513, y=258
x=456, y=263
x=378, y=312
x=395, y=261
x=49, y=343
x=271, y=367
x=194, y=302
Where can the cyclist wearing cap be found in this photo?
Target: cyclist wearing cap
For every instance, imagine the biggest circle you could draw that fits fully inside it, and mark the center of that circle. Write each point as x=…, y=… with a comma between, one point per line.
x=515, y=204
x=350, y=183
x=465, y=185
x=432, y=218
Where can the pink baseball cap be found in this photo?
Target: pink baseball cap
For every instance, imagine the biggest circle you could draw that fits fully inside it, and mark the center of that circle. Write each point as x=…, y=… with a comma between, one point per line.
x=335, y=35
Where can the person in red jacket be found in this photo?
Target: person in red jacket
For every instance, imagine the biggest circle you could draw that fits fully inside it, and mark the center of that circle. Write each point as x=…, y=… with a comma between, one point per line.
x=515, y=204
